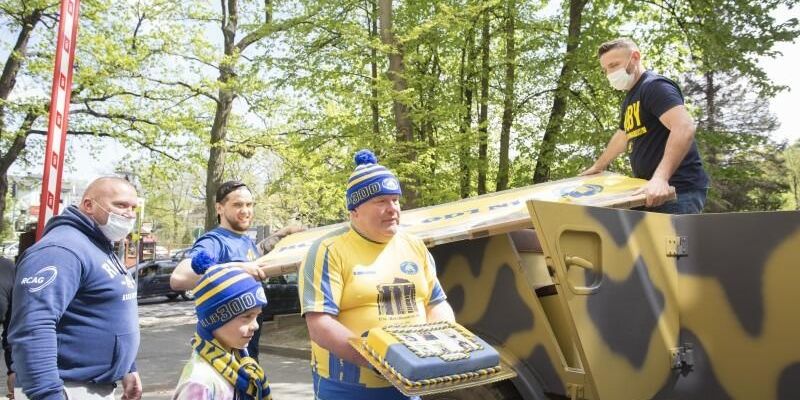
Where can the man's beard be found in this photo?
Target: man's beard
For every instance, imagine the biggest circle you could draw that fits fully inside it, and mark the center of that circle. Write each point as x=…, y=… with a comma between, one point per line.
x=238, y=226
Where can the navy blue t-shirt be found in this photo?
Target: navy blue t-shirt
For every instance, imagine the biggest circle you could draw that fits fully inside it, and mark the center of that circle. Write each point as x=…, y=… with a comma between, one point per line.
x=651, y=97
x=226, y=246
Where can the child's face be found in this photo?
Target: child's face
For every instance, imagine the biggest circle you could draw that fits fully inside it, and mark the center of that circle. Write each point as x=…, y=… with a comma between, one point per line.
x=236, y=333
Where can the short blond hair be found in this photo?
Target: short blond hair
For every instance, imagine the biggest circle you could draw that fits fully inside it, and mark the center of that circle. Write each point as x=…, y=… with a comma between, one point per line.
x=622, y=42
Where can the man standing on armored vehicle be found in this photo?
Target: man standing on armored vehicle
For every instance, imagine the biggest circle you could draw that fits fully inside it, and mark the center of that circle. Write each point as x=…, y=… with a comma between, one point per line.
x=363, y=276
x=657, y=128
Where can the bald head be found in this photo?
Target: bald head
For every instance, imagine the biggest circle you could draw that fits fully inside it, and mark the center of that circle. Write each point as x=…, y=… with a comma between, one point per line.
x=109, y=194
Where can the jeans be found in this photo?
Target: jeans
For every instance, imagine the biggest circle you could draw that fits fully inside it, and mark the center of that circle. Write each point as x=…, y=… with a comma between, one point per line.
x=689, y=201
x=326, y=389
x=79, y=391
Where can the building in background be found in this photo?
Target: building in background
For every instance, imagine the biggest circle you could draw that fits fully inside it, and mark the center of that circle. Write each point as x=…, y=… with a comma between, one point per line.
x=25, y=191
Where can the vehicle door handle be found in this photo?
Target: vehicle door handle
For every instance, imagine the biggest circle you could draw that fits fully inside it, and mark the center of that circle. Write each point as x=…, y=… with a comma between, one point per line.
x=578, y=262
x=595, y=278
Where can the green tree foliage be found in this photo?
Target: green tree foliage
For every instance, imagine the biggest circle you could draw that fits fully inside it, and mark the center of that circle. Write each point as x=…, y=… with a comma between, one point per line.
x=458, y=97
x=113, y=94
x=792, y=157
x=746, y=166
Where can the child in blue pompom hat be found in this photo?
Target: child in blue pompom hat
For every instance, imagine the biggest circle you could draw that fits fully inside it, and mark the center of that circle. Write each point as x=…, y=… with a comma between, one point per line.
x=227, y=301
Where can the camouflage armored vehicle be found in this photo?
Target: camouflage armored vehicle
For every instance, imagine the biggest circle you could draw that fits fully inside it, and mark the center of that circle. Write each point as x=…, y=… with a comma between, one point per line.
x=591, y=302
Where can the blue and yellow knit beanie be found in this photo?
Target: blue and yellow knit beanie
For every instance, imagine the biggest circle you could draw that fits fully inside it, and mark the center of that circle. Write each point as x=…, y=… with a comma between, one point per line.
x=222, y=294
x=369, y=180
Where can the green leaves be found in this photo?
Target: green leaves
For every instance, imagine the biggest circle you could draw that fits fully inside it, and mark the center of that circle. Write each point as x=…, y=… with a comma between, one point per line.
x=309, y=85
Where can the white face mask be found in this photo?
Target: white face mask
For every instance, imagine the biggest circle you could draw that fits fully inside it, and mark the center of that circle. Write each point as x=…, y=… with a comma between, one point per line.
x=621, y=79
x=117, y=227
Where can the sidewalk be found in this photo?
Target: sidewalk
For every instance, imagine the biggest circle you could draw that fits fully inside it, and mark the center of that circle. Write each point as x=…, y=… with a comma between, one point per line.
x=286, y=336
x=164, y=349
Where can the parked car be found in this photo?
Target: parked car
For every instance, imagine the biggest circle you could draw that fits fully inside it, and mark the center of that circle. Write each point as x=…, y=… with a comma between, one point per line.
x=282, y=296
x=179, y=254
x=153, y=279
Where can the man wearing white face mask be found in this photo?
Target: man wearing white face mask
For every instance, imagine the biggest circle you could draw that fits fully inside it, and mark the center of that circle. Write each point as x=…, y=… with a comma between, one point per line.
x=657, y=129
x=74, y=326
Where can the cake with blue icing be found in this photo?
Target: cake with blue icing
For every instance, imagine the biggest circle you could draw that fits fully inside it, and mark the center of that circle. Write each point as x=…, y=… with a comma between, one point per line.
x=431, y=353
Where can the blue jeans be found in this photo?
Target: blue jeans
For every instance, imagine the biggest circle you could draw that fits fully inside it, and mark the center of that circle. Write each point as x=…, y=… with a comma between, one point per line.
x=328, y=389
x=689, y=201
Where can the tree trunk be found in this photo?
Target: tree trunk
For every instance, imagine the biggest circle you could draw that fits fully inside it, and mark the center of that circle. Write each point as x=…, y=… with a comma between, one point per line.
x=396, y=74
x=466, y=72
x=10, y=156
x=508, y=98
x=483, y=112
x=372, y=21
x=215, y=170
x=565, y=78
x=8, y=80
x=712, y=152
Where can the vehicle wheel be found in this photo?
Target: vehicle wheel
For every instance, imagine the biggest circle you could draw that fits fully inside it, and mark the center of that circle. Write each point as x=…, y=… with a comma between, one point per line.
x=187, y=295
x=172, y=296
x=503, y=390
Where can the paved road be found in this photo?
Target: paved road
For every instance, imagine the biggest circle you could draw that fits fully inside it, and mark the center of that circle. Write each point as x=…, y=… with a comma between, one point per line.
x=167, y=328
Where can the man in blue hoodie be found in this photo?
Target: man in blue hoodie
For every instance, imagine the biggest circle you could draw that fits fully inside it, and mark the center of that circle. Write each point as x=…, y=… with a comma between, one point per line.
x=74, y=323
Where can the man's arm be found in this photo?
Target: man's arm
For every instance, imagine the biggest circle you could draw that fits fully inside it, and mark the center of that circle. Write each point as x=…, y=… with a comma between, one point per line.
x=183, y=276
x=440, y=311
x=681, y=133
x=615, y=147
x=270, y=241
x=326, y=331
x=46, y=282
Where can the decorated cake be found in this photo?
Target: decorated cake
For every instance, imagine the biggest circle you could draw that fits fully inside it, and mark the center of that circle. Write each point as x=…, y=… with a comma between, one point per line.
x=431, y=353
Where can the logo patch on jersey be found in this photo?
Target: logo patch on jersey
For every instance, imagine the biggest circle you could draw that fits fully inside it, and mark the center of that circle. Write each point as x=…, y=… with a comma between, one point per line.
x=397, y=298
x=409, y=267
x=41, y=279
x=390, y=184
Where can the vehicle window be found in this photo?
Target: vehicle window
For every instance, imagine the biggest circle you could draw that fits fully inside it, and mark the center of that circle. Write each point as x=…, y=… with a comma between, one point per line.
x=145, y=272
x=166, y=268
x=276, y=280
x=291, y=278
x=180, y=255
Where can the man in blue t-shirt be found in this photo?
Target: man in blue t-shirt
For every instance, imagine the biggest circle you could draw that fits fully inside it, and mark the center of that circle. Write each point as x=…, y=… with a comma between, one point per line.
x=657, y=129
x=228, y=243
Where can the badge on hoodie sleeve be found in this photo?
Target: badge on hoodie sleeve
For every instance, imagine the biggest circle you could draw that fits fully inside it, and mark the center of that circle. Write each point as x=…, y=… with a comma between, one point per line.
x=41, y=279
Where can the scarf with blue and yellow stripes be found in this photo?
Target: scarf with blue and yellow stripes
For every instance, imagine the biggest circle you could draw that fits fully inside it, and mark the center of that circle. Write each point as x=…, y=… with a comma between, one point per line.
x=242, y=372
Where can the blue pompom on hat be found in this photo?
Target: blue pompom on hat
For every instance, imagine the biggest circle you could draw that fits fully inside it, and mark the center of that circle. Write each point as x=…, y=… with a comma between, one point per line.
x=223, y=293
x=369, y=180
x=201, y=262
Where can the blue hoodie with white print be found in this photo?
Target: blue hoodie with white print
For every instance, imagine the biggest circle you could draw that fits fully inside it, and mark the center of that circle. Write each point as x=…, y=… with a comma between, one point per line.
x=74, y=312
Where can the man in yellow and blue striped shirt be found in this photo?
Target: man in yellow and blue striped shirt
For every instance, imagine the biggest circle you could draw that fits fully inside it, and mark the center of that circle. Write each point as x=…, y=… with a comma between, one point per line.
x=363, y=276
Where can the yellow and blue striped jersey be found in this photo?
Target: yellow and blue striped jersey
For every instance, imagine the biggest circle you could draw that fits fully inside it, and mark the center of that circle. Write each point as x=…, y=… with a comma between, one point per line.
x=366, y=285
